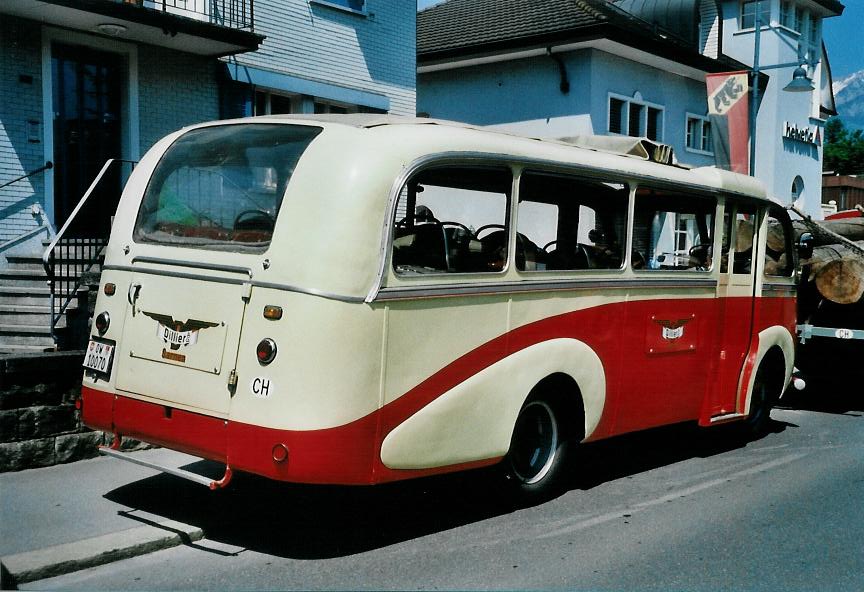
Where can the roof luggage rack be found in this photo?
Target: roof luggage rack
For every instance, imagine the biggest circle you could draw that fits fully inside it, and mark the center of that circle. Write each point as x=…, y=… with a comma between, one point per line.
x=639, y=147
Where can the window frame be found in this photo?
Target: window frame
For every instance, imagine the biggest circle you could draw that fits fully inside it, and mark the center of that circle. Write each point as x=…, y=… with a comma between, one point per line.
x=577, y=175
x=702, y=119
x=765, y=6
x=435, y=276
x=684, y=192
x=645, y=106
x=343, y=5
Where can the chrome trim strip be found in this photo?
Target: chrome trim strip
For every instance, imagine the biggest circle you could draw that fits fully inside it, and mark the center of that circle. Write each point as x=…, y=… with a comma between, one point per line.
x=177, y=274
x=194, y=264
x=310, y=292
x=770, y=287
x=445, y=291
x=221, y=280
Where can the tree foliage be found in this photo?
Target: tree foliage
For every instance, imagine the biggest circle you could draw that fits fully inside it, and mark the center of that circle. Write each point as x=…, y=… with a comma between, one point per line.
x=844, y=149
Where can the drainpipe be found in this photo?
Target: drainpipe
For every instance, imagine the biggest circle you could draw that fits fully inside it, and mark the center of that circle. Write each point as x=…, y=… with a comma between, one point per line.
x=562, y=70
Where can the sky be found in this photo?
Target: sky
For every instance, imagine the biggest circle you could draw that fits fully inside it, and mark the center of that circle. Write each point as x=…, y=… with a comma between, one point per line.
x=842, y=37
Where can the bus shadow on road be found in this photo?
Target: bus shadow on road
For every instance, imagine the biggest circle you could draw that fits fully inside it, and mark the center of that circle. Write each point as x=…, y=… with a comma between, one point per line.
x=318, y=522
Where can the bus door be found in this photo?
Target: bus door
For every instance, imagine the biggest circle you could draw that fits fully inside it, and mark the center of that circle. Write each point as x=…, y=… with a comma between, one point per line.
x=735, y=303
x=669, y=335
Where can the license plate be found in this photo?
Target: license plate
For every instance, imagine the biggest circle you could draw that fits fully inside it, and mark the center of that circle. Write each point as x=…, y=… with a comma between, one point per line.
x=99, y=356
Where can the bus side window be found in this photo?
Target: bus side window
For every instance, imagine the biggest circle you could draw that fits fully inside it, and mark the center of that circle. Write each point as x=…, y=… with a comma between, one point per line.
x=672, y=230
x=570, y=223
x=745, y=235
x=778, y=254
x=452, y=220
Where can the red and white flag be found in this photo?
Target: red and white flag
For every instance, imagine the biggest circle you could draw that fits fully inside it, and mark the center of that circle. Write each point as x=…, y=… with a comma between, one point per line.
x=728, y=111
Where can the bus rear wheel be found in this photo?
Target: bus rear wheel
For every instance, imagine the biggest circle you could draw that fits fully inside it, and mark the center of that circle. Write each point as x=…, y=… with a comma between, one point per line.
x=538, y=452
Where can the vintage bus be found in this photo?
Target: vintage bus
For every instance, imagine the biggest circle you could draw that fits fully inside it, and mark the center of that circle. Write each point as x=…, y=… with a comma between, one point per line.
x=361, y=299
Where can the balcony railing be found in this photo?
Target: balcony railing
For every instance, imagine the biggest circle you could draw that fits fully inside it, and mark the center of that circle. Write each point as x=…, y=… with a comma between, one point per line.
x=234, y=14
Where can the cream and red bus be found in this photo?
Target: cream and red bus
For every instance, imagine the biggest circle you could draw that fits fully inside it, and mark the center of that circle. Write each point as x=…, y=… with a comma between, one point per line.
x=362, y=299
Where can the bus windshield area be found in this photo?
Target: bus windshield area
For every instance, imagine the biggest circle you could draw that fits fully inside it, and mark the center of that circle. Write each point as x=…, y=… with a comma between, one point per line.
x=221, y=187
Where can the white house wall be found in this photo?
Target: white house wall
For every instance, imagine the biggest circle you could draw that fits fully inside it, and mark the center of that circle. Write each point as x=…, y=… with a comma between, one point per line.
x=780, y=160
x=372, y=51
x=20, y=117
x=524, y=96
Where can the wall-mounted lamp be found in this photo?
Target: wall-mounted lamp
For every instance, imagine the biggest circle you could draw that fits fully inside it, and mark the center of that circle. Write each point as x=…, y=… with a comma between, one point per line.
x=800, y=82
x=111, y=29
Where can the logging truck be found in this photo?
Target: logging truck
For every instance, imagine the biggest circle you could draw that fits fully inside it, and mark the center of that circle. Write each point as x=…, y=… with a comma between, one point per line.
x=831, y=296
x=362, y=299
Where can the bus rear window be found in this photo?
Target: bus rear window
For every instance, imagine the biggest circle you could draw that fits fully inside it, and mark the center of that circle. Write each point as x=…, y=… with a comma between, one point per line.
x=221, y=187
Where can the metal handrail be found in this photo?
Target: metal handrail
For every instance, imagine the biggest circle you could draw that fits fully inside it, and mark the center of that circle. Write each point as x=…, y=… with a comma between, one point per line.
x=48, y=165
x=50, y=260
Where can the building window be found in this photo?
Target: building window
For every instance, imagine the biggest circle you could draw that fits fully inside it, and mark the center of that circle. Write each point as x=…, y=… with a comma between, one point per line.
x=268, y=103
x=353, y=5
x=787, y=15
x=799, y=18
x=699, y=134
x=814, y=30
x=797, y=189
x=634, y=123
x=616, y=115
x=633, y=117
x=748, y=14
x=654, y=123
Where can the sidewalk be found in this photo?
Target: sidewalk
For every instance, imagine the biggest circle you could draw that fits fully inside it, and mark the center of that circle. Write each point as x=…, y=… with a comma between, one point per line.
x=63, y=513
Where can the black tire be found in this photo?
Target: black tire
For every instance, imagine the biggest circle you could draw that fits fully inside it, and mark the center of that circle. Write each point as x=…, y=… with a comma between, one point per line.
x=535, y=464
x=761, y=401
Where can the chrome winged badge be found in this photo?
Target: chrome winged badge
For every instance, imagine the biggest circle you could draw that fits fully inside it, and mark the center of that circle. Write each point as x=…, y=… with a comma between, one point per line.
x=176, y=333
x=672, y=330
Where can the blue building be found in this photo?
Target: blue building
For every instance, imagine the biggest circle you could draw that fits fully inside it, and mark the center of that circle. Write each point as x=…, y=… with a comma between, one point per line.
x=82, y=81
x=554, y=69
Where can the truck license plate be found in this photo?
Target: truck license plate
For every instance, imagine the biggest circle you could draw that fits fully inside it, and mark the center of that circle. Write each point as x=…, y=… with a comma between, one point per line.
x=99, y=355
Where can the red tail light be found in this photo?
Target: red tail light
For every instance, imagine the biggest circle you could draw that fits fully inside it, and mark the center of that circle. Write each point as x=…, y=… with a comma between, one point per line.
x=266, y=350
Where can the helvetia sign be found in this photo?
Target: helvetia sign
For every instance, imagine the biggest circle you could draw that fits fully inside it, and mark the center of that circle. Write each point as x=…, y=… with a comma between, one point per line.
x=808, y=135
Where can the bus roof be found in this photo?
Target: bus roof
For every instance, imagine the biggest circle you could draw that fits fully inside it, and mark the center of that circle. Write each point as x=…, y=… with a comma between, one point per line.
x=427, y=138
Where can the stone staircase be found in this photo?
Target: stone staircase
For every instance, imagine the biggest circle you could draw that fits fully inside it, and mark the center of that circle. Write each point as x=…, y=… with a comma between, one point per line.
x=25, y=309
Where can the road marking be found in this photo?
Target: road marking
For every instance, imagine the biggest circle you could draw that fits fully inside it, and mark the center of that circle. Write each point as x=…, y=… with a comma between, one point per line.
x=618, y=514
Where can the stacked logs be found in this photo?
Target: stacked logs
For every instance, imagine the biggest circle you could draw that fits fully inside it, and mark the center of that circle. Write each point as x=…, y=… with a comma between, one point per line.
x=836, y=267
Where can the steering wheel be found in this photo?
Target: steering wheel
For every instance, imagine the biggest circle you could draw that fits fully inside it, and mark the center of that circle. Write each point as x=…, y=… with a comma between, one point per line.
x=487, y=227
x=549, y=244
x=457, y=225
x=701, y=253
x=257, y=219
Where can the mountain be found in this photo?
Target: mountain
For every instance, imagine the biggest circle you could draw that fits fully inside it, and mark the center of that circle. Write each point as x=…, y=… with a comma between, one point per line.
x=849, y=100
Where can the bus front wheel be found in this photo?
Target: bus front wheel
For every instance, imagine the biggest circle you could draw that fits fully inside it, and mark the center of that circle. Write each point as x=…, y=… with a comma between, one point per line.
x=761, y=401
x=538, y=452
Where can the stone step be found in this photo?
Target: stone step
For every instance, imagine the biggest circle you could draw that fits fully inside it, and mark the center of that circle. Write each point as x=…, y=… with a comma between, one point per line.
x=42, y=339
x=33, y=296
x=27, y=315
x=23, y=349
x=29, y=278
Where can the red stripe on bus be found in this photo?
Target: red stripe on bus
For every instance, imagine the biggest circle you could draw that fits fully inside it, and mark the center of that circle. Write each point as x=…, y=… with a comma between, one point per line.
x=350, y=454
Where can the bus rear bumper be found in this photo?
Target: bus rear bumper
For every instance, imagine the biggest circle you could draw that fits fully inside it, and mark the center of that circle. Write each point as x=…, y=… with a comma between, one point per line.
x=344, y=455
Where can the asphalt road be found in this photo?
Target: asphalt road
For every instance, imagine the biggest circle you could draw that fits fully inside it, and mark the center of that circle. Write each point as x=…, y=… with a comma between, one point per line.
x=674, y=508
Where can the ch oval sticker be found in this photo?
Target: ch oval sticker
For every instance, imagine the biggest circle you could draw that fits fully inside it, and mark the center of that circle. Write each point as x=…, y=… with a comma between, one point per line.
x=261, y=387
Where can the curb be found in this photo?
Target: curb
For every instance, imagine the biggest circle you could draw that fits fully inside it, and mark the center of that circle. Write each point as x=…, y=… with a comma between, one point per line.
x=63, y=559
